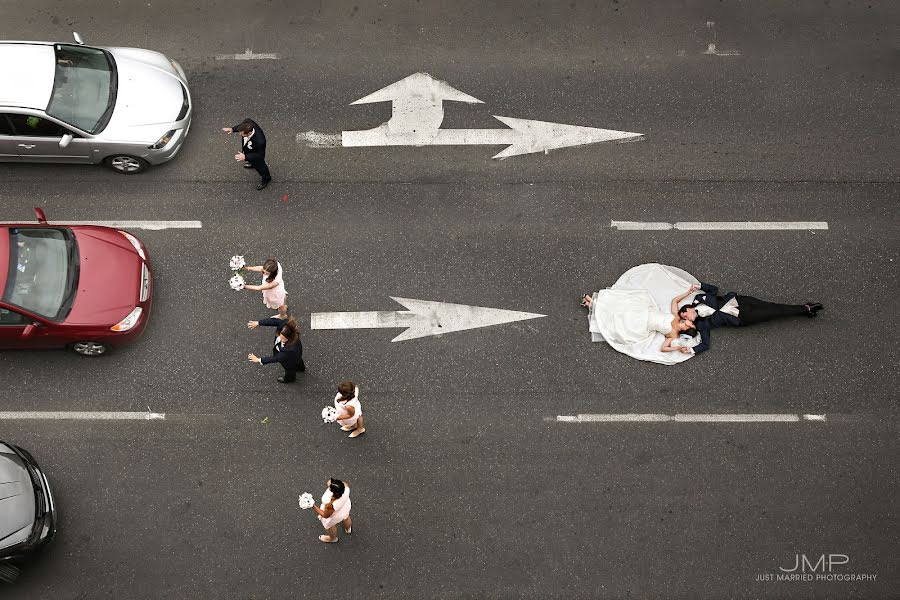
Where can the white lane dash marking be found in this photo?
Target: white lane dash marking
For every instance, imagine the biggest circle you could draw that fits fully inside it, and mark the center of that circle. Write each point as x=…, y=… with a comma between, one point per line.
x=719, y=225
x=83, y=416
x=248, y=54
x=640, y=226
x=687, y=418
x=154, y=225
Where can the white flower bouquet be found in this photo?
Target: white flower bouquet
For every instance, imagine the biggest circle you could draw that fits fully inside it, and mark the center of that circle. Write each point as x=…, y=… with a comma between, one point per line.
x=237, y=264
x=236, y=282
x=329, y=414
x=306, y=500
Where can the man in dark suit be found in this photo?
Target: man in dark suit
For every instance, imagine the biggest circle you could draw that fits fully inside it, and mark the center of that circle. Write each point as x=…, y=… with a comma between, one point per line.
x=253, y=149
x=287, y=350
x=709, y=310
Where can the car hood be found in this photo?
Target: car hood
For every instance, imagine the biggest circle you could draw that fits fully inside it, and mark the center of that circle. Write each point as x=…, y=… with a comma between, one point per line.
x=148, y=100
x=110, y=278
x=17, y=502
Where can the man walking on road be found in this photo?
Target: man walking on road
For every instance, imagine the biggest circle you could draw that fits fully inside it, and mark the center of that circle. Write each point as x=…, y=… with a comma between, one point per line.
x=253, y=149
x=287, y=349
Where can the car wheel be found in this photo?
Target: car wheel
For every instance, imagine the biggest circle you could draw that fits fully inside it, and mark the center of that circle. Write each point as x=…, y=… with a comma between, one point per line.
x=90, y=348
x=125, y=164
x=8, y=573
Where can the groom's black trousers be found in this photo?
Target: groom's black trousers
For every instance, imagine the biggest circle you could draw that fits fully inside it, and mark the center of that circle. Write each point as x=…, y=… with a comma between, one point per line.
x=753, y=310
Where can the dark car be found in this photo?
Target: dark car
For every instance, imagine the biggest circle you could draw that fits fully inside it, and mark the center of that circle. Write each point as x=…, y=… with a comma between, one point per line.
x=83, y=287
x=27, y=510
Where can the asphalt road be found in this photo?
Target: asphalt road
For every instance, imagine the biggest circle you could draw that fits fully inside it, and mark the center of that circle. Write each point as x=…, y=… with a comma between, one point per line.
x=465, y=485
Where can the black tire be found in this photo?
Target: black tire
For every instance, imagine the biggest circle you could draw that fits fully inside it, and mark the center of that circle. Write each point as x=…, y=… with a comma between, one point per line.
x=126, y=164
x=9, y=573
x=90, y=349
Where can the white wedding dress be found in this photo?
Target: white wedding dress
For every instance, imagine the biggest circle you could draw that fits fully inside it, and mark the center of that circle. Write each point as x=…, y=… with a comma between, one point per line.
x=633, y=315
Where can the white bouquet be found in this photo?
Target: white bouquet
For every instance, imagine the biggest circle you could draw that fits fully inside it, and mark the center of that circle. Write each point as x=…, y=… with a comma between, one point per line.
x=237, y=263
x=329, y=414
x=236, y=282
x=306, y=500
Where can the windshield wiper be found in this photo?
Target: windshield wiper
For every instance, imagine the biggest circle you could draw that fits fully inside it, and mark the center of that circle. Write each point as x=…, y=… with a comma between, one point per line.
x=74, y=273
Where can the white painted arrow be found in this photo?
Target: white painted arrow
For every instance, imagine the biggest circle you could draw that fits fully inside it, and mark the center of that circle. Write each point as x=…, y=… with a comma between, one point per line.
x=424, y=318
x=417, y=112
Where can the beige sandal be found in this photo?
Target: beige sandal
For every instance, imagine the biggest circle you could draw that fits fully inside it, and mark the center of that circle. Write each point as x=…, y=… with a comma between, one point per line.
x=345, y=428
x=327, y=540
x=357, y=433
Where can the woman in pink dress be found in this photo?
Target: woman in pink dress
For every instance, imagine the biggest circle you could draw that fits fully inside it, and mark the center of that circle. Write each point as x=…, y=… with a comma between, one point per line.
x=349, y=410
x=335, y=509
x=272, y=287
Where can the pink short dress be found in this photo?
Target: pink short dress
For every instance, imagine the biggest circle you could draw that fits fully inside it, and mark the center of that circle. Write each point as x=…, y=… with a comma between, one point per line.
x=341, y=508
x=277, y=296
x=341, y=407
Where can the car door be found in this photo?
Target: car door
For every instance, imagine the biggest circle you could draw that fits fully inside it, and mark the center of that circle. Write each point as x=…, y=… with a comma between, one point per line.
x=12, y=326
x=8, y=150
x=37, y=140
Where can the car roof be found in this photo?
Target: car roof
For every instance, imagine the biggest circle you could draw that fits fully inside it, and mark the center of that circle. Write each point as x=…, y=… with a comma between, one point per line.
x=27, y=70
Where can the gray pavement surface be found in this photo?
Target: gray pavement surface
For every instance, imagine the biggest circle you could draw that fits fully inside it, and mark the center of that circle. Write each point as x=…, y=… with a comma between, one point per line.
x=464, y=485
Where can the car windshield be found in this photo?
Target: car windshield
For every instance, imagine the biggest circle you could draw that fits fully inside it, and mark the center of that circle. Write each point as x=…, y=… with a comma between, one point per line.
x=43, y=271
x=84, y=88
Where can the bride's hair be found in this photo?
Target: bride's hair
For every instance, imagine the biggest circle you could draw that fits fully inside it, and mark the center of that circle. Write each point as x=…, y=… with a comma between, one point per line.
x=692, y=332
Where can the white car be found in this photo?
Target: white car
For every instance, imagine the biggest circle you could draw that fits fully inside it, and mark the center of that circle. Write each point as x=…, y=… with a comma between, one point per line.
x=126, y=108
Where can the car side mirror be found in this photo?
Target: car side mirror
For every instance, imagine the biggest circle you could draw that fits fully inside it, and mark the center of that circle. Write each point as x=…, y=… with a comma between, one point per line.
x=41, y=217
x=65, y=140
x=29, y=330
x=77, y=38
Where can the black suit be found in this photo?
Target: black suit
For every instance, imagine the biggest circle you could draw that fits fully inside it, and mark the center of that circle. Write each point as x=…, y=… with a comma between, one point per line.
x=289, y=355
x=750, y=311
x=254, y=150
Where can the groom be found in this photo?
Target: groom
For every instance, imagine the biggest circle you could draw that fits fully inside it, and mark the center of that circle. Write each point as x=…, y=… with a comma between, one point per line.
x=709, y=310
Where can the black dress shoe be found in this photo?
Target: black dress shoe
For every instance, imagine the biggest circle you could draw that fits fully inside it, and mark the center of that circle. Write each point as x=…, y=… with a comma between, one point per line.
x=283, y=380
x=248, y=165
x=812, y=309
x=262, y=184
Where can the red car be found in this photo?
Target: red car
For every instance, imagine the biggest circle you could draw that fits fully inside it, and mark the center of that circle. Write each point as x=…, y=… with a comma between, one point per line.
x=82, y=287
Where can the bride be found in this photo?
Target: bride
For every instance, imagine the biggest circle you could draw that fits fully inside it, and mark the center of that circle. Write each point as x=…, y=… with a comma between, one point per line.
x=629, y=308
x=628, y=317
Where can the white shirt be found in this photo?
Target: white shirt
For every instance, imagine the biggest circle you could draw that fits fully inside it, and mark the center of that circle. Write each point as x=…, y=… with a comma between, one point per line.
x=729, y=308
x=247, y=142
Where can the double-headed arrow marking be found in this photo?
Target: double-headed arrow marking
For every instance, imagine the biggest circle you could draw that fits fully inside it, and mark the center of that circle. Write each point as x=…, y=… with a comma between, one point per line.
x=423, y=318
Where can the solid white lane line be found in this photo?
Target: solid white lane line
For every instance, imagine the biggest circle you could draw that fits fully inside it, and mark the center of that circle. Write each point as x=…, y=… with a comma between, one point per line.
x=719, y=225
x=155, y=225
x=624, y=417
x=750, y=225
x=687, y=418
x=737, y=418
x=84, y=416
